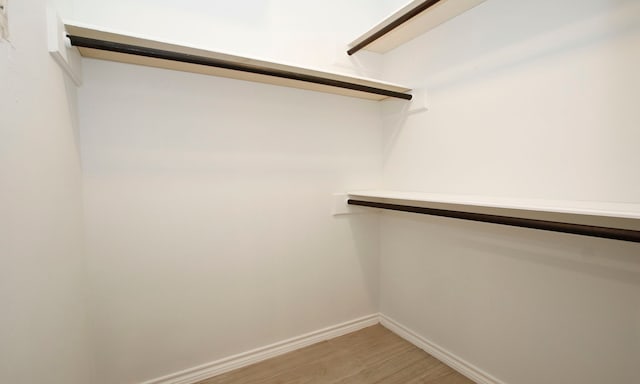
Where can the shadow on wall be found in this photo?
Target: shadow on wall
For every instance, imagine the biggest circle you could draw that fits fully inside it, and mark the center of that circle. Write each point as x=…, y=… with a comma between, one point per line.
x=72, y=97
x=187, y=123
x=395, y=114
x=365, y=229
x=535, y=30
x=524, y=96
x=602, y=258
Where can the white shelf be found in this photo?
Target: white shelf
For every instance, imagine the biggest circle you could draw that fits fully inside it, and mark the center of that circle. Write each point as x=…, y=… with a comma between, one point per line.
x=100, y=43
x=396, y=29
x=611, y=215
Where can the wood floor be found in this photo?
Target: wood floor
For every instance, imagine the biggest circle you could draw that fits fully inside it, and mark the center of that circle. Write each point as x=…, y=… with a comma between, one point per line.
x=371, y=355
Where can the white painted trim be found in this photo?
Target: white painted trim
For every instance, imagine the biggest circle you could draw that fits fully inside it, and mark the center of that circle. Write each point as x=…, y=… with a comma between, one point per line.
x=214, y=368
x=469, y=370
x=67, y=57
x=206, y=371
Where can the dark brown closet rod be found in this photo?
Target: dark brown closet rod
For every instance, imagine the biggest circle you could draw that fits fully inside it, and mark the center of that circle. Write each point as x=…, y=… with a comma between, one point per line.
x=199, y=60
x=393, y=25
x=576, y=229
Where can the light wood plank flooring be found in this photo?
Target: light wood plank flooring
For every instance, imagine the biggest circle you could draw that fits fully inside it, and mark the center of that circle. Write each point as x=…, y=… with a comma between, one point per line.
x=371, y=355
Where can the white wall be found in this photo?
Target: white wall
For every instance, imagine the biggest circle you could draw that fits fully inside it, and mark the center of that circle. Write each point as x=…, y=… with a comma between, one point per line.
x=43, y=335
x=208, y=215
x=526, y=99
x=207, y=200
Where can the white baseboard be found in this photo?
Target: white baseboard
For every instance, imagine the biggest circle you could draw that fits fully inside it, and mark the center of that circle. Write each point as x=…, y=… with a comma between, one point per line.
x=214, y=368
x=469, y=370
x=206, y=371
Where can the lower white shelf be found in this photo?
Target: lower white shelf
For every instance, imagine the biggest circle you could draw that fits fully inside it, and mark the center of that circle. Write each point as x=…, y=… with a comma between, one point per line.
x=617, y=221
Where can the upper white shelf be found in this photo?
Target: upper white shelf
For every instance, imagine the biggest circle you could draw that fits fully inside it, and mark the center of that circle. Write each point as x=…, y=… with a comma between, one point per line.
x=103, y=44
x=410, y=21
x=612, y=219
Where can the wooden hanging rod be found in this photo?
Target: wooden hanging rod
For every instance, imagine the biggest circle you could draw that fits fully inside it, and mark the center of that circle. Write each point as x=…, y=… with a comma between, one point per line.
x=576, y=229
x=129, y=49
x=413, y=12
